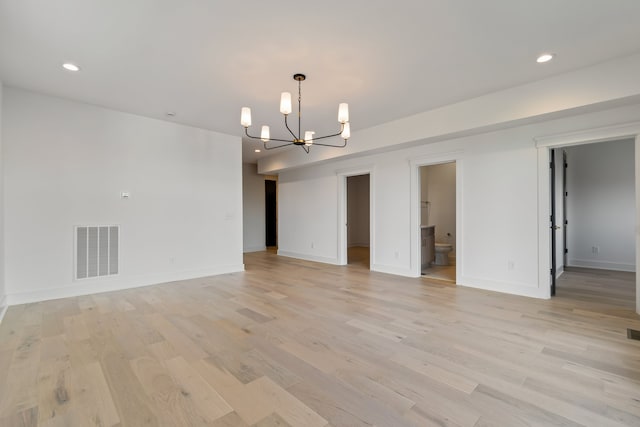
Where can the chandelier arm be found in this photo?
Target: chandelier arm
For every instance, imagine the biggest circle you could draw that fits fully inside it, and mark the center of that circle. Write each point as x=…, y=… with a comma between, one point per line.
x=246, y=131
x=330, y=136
x=325, y=137
x=344, y=144
x=290, y=131
x=277, y=146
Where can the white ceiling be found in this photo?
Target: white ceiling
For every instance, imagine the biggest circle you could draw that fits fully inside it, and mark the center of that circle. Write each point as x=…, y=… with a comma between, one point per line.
x=206, y=59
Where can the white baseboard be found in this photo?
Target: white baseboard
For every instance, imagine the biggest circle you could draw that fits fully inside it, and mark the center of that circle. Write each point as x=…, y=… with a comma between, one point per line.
x=117, y=283
x=602, y=265
x=392, y=269
x=308, y=257
x=513, y=288
x=559, y=271
x=254, y=249
x=3, y=307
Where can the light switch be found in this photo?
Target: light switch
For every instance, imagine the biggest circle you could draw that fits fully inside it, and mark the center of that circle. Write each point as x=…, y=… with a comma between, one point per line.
x=124, y=195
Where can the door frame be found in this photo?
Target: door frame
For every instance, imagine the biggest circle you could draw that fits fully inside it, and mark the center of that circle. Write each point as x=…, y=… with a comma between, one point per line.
x=565, y=254
x=416, y=164
x=553, y=225
x=544, y=144
x=342, y=176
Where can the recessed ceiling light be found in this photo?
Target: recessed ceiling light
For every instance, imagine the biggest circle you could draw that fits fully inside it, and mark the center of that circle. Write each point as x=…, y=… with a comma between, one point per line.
x=256, y=150
x=545, y=57
x=70, y=66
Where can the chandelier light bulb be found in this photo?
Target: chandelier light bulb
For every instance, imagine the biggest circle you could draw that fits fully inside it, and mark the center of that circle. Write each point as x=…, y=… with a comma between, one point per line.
x=346, y=132
x=264, y=135
x=343, y=113
x=285, y=103
x=308, y=138
x=245, y=117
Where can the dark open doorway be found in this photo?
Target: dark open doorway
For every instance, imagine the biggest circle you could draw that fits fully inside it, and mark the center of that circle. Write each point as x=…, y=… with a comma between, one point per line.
x=358, y=217
x=271, y=210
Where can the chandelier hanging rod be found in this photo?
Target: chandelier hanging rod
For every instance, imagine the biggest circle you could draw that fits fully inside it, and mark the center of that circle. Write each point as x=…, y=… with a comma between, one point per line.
x=309, y=139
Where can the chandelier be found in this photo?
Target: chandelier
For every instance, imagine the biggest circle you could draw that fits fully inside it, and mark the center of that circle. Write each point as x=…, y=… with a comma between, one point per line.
x=296, y=139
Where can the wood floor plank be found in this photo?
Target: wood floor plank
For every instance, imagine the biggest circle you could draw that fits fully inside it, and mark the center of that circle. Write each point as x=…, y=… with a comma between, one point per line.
x=134, y=406
x=93, y=398
x=295, y=343
x=204, y=397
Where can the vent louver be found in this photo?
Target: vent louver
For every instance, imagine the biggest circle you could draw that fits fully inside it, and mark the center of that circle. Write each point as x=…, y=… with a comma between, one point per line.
x=97, y=251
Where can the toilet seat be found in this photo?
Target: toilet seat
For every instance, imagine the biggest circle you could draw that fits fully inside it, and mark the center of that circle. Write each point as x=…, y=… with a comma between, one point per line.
x=442, y=253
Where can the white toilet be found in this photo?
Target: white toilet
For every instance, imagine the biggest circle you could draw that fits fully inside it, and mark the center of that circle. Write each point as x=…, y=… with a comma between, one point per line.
x=442, y=253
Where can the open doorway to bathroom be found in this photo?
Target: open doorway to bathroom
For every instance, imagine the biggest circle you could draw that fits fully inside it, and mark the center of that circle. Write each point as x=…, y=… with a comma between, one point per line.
x=438, y=221
x=358, y=220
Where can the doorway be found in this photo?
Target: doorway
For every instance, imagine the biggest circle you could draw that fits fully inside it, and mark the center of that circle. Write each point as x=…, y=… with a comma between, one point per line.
x=359, y=200
x=596, y=194
x=456, y=157
x=438, y=221
x=271, y=213
x=559, y=223
x=592, y=204
x=358, y=220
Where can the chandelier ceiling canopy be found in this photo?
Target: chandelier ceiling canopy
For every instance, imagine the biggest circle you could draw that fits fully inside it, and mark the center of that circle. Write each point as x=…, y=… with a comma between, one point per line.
x=296, y=138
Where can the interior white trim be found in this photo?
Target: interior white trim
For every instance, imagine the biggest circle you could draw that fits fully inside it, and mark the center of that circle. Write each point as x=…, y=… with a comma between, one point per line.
x=415, y=164
x=590, y=136
x=602, y=265
x=108, y=284
x=500, y=286
x=637, y=171
x=584, y=136
x=254, y=249
x=342, y=175
x=392, y=269
x=3, y=307
x=308, y=257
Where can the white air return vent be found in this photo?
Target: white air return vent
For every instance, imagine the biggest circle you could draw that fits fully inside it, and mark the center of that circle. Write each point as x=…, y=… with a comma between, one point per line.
x=97, y=251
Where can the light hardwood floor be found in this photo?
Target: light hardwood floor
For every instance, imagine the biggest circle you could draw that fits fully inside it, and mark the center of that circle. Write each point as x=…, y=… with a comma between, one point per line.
x=296, y=343
x=441, y=272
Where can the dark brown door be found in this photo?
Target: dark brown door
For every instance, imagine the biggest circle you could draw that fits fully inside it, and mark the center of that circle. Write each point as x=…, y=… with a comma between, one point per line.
x=271, y=228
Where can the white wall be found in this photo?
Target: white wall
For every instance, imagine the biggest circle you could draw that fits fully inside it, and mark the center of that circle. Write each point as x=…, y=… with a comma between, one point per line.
x=439, y=188
x=3, y=301
x=66, y=164
x=253, y=212
x=590, y=89
x=499, y=209
x=601, y=205
x=358, y=210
